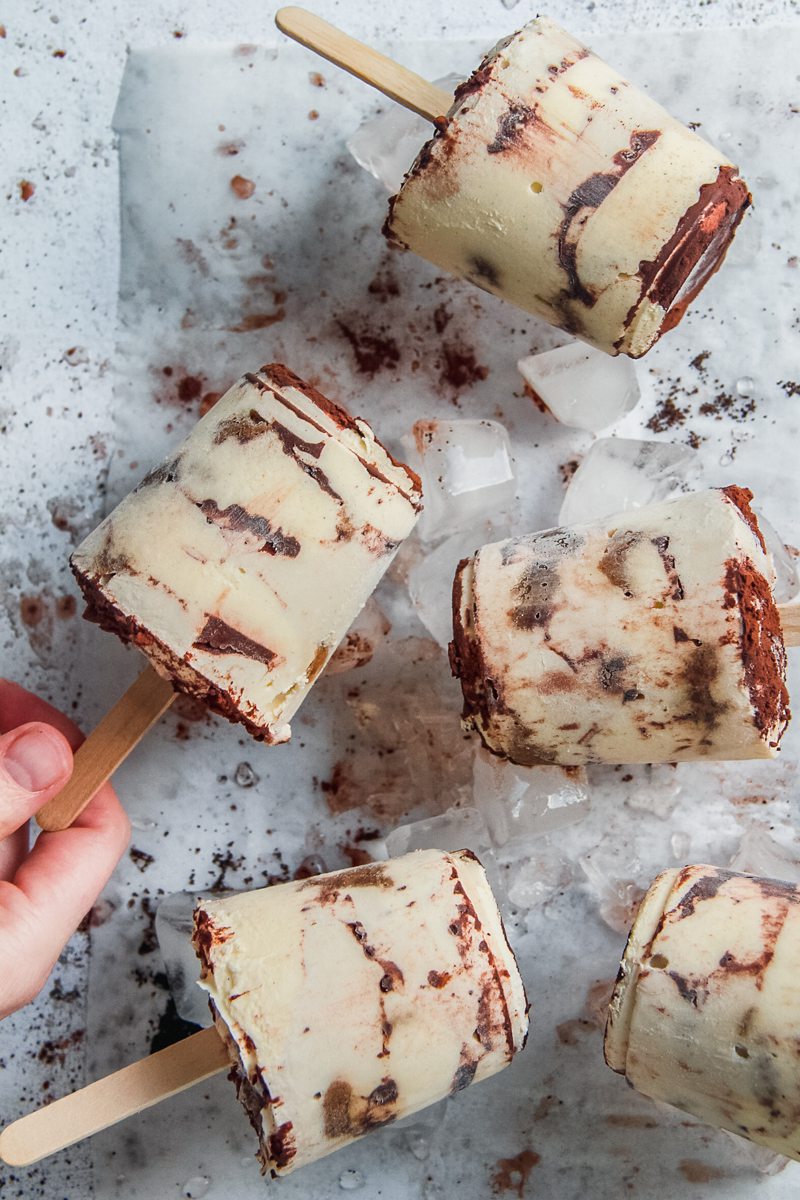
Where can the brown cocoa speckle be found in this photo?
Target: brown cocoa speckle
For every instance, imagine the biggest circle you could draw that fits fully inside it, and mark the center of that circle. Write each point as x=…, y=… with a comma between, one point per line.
x=259, y=320
x=149, y=942
x=31, y=610
x=511, y=1174
x=357, y=855
x=459, y=367
x=568, y=1032
x=441, y=318
x=241, y=187
x=336, y=790
x=26, y=189
x=567, y=469
x=140, y=858
x=699, y=361
x=315, y=79
x=232, y=148
x=667, y=415
x=55, y=1052
x=374, y=348
x=313, y=115
x=189, y=388
x=696, y=1171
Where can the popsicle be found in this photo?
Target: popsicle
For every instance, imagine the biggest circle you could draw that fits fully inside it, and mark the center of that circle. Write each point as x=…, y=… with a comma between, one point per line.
x=238, y=564
x=342, y=1002
x=554, y=183
x=650, y=636
x=352, y=999
x=705, y=1014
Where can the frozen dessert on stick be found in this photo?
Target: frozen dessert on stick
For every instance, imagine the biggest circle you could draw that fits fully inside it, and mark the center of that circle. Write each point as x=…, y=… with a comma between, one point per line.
x=651, y=636
x=705, y=1014
x=352, y=999
x=239, y=563
x=342, y=1002
x=554, y=183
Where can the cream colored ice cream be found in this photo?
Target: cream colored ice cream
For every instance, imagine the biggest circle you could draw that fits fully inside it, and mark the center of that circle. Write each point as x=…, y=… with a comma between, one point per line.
x=705, y=1014
x=238, y=564
x=559, y=186
x=651, y=636
x=351, y=999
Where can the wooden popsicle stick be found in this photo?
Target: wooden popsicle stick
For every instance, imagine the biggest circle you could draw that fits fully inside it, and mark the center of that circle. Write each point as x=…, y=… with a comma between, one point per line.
x=790, y=623
x=107, y=746
x=396, y=82
x=114, y=1098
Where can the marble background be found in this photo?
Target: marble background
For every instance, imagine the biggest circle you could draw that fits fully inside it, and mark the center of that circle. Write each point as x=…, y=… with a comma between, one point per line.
x=87, y=331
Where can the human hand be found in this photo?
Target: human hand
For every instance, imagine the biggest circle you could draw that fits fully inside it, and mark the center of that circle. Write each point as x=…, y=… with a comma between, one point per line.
x=45, y=891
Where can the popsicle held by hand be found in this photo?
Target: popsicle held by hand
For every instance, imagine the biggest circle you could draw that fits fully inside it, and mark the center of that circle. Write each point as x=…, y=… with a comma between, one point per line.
x=238, y=564
x=552, y=182
x=341, y=1002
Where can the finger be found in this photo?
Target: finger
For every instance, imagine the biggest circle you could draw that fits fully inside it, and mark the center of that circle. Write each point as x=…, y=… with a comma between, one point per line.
x=35, y=763
x=12, y=851
x=55, y=887
x=18, y=706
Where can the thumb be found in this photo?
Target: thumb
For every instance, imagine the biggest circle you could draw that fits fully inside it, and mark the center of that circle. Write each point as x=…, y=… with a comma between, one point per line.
x=35, y=763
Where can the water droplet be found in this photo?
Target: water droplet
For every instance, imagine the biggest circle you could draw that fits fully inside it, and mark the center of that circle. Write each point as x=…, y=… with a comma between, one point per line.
x=680, y=843
x=195, y=1187
x=142, y=823
x=510, y=3
x=245, y=776
x=745, y=386
x=350, y=1181
x=726, y=459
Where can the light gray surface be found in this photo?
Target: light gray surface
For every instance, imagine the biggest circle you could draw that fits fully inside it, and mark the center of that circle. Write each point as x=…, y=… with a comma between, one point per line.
x=66, y=419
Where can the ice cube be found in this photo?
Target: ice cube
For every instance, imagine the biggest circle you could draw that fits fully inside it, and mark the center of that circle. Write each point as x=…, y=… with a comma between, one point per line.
x=386, y=145
x=536, y=878
x=618, y=474
x=430, y=583
x=786, y=583
x=456, y=829
x=582, y=387
x=761, y=854
x=652, y=788
x=680, y=844
x=617, y=898
x=467, y=474
x=518, y=803
x=174, y=933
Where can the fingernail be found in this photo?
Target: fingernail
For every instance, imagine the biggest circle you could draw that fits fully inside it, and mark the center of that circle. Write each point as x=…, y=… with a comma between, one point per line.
x=36, y=759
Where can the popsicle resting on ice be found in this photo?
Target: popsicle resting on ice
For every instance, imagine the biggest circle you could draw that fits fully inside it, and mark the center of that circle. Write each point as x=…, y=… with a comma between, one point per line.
x=705, y=1014
x=238, y=564
x=554, y=183
x=352, y=999
x=650, y=636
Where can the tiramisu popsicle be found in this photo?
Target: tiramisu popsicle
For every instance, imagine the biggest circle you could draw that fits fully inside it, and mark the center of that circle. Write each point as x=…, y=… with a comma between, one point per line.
x=351, y=999
x=651, y=636
x=239, y=563
x=556, y=184
x=705, y=1014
